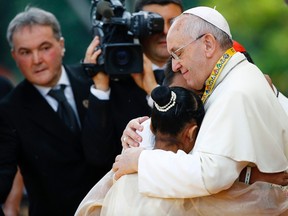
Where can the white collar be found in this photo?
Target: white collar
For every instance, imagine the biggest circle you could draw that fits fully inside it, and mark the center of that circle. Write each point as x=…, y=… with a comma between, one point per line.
x=63, y=80
x=155, y=67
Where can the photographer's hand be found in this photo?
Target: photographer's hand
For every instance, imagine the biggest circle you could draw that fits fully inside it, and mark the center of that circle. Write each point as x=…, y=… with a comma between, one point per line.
x=146, y=80
x=101, y=79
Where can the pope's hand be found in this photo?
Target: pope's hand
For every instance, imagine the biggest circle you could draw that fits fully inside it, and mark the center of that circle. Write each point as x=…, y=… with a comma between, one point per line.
x=130, y=138
x=127, y=162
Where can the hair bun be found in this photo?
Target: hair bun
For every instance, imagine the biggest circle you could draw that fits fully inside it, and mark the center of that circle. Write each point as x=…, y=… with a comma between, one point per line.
x=161, y=95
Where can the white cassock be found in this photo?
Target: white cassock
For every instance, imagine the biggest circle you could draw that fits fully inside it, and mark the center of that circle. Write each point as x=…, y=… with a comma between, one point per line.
x=244, y=124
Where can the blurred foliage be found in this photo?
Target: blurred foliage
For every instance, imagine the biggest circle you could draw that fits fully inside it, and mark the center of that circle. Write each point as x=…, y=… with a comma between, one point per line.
x=259, y=25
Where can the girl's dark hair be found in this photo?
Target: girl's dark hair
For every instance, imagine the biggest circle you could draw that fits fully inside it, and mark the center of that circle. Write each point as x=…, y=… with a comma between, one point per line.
x=187, y=108
x=168, y=73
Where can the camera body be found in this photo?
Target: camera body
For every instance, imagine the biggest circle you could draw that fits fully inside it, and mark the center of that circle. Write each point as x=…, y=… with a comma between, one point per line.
x=119, y=32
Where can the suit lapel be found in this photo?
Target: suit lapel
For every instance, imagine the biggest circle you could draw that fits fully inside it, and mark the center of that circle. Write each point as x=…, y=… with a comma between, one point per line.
x=38, y=109
x=81, y=89
x=40, y=112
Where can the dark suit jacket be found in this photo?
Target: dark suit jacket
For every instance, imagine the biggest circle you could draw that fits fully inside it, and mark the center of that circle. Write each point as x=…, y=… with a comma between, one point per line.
x=56, y=173
x=127, y=101
x=5, y=87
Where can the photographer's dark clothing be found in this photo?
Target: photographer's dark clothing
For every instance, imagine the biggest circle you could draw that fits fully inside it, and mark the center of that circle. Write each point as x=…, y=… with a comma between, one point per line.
x=127, y=101
x=51, y=157
x=159, y=75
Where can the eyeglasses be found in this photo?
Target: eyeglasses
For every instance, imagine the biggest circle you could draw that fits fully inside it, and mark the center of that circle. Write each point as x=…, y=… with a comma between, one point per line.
x=173, y=53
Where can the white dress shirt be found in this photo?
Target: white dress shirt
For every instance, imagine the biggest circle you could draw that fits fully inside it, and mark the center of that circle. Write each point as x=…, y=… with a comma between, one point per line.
x=68, y=93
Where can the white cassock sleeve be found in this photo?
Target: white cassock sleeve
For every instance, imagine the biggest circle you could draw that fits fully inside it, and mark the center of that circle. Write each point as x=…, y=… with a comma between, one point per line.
x=184, y=175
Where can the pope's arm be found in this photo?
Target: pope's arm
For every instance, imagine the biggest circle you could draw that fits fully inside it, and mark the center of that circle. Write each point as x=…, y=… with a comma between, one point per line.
x=185, y=175
x=178, y=175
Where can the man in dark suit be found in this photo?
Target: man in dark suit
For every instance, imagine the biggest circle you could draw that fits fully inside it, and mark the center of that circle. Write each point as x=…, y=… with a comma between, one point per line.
x=50, y=154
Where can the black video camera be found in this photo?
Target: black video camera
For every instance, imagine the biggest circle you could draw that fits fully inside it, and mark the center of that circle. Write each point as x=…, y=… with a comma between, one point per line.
x=119, y=33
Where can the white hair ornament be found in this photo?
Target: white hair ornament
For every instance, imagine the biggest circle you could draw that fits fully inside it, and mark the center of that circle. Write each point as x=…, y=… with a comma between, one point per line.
x=170, y=104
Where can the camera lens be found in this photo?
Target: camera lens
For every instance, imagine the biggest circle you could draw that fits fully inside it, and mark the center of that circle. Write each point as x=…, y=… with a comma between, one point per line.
x=122, y=57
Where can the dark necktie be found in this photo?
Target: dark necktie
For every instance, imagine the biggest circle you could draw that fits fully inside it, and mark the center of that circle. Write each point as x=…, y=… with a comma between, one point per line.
x=159, y=75
x=64, y=110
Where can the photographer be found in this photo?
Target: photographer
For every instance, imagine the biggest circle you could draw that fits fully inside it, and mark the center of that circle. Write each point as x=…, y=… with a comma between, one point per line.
x=122, y=99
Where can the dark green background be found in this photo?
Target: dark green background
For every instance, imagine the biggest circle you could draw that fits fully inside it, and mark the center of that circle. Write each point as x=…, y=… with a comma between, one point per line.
x=261, y=26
